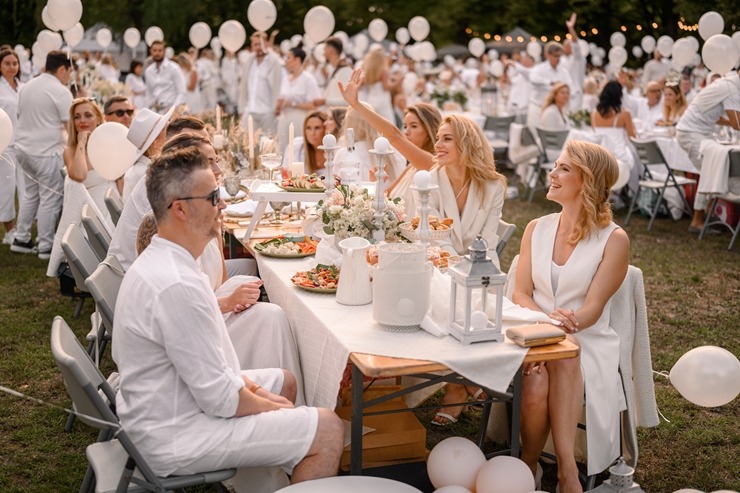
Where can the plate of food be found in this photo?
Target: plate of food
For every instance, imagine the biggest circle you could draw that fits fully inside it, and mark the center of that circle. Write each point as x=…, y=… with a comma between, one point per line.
x=439, y=229
x=320, y=279
x=287, y=247
x=305, y=183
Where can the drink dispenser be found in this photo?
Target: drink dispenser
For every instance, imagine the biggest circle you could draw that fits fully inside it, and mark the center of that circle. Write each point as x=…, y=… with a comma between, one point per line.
x=401, y=283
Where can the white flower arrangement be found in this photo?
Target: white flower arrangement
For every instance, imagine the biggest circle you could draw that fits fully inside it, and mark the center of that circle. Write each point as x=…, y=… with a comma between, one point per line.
x=350, y=212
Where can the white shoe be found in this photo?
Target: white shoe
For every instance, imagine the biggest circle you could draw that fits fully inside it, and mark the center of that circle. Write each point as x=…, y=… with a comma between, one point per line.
x=9, y=237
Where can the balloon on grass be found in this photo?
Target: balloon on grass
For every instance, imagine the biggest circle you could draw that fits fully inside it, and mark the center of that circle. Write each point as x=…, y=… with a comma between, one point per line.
x=319, y=23
x=504, y=474
x=707, y=376
x=453, y=488
x=455, y=461
x=111, y=154
x=199, y=34
x=261, y=15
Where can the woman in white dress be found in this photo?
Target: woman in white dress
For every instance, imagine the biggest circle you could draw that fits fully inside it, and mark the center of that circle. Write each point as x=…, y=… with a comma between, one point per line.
x=297, y=93
x=570, y=265
x=377, y=86
x=615, y=123
x=82, y=185
x=136, y=84
x=554, y=109
x=193, y=99
x=10, y=175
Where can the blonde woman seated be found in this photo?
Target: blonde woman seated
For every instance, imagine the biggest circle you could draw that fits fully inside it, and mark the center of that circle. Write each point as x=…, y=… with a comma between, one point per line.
x=471, y=193
x=570, y=265
x=554, y=110
x=415, y=143
x=674, y=104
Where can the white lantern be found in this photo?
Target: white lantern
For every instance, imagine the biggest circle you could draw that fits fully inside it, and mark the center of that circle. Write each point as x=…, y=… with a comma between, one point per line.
x=472, y=277
x=620, y=480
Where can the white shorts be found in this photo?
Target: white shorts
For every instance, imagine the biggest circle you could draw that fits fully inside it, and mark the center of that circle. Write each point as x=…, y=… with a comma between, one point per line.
x=276, y=438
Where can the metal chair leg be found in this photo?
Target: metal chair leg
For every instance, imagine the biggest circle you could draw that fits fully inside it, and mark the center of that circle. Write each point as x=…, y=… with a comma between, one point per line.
x=78, y=310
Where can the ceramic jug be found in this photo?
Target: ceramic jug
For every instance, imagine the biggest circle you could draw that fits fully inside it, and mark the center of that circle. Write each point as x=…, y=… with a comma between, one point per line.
x=354, y=278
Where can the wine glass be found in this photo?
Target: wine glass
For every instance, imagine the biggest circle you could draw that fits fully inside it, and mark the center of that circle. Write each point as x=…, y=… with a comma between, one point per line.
x=278, y=206
x=271, y=162
x=233, y=185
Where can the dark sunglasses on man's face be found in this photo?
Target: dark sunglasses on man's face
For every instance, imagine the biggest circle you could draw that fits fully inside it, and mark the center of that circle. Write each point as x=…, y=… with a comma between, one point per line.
x=214, y=197
x=120, y=113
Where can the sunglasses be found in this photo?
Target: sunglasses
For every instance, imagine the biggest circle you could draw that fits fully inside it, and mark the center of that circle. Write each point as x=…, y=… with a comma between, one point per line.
x=214, y=197
x=120, y=113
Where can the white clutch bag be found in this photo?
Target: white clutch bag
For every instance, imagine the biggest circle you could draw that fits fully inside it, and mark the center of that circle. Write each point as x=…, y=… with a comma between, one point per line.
x=535, y=335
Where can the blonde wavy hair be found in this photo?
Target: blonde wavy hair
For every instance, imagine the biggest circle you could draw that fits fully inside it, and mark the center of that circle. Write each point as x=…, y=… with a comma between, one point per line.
x=599, y=171
x=672, y=115
x=364, y=132
x=475, y=152
x=374, y=65
x=550, y=98
x=72, y=135
x=430, y=119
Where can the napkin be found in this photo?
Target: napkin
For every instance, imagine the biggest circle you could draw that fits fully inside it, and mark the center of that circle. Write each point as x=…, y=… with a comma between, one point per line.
x=327, y=253
x=242, y=209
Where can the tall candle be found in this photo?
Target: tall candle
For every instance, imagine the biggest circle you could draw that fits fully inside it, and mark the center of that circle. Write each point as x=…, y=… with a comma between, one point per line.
x=218, y=118
x=250, y=130
x=291, y=136
x=218, y=142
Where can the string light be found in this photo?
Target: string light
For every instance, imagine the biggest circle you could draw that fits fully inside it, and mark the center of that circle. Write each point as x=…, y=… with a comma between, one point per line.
x=595, y=31
x=487, y=35
x=638, y=27
x=583, y=34
x=655, y=25
x=520, y=39
x=556, y=38
x=508, y=39
x=624, y=28
x=544, y=39
x=497, y=37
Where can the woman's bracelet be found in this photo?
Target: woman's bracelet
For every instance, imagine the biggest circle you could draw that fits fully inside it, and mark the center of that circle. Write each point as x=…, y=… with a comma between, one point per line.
x=254, y=388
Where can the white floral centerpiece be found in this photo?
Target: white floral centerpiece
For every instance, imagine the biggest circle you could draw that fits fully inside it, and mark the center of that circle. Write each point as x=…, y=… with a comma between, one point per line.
x=350, y=212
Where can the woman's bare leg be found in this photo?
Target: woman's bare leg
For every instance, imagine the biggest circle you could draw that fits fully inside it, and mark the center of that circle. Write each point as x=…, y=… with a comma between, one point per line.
x=535, y=421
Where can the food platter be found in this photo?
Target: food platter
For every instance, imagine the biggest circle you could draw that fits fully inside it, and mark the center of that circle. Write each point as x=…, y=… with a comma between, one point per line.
x=412, y=234
x=320, y=279
x=307, y=247
x=302, y=190
x=316, y=290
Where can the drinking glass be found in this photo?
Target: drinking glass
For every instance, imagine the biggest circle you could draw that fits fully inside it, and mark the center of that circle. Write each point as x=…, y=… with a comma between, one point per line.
x=232, y=184
x=271, y=162
x=278, y=207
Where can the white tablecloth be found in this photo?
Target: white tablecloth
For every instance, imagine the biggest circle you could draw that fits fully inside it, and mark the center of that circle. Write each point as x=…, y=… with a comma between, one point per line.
x=674, y=155
x=327, y=332
x=715, y=167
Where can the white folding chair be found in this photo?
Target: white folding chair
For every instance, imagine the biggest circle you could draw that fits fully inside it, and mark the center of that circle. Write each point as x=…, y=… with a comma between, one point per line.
x=114, y=204
x=115, y=461
x=103, y=284
x=97, y=235
x=657, y=176
x=551, y=145
x=499, y=125
x=713, y=217
x=504, y=231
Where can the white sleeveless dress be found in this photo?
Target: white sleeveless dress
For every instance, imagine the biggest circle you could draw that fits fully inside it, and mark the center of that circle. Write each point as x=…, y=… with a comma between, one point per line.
x=599, y=343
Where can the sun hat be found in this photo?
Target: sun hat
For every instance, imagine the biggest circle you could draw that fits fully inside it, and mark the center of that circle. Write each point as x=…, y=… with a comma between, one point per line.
x=145, y=128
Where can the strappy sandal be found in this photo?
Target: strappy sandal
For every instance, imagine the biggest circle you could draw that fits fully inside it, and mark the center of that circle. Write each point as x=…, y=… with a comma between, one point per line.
x=450, y=419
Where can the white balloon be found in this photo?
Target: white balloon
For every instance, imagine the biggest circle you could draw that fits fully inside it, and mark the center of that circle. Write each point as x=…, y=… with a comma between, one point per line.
x=455, y=461
x=428, y=52
x=600, y=52
x=688, y=490
x=319, y=23
x=308, y=43
x=6, y=130
x=665, y=45
x=73, y=36
x=47, y=20
x=617, y=57
x=648, y=44
x=710, y=23
x=637, y=51
x=261, y=15
x=58, y=41
x=695, y=60
x=19, y=48
x=694, y=43
x=534, y=49
x=39, y=61
x=169, y=52
x=153, y=34
x=504, y=474
x=720, y=53
x=477, y=47
x=493, y=54
x=232, y=35
x=377, y=29
x=36, y=49
x=285, y=46
x=111, y=154
x=618, y=39
x=318, y=53
x=199, y=34
x=497, y=68
x=343, y=36
x=583, y=44
x=131, y=37
x=215, y=44
x=65, y=13
x=243, y=56
x=402, y=35
x=707, y=376
x=682, y=52
x=735, y=38
x=596, y=61
x=361, y=44
x=419, y=28
x=295, y=40
x=46, y=40
x=104, y=37
x=449, y=60
x=453, y=488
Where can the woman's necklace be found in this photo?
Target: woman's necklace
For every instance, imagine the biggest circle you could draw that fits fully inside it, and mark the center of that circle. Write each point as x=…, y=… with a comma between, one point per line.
x=465, y=185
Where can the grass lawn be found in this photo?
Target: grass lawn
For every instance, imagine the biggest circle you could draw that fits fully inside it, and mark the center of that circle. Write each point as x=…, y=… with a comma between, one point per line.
x=693, y=297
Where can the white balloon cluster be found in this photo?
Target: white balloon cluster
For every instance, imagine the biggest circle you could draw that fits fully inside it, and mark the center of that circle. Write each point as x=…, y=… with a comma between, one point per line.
x=457, y=465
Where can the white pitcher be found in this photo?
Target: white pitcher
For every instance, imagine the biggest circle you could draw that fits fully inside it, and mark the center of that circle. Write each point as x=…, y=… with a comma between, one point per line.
x=354, y=278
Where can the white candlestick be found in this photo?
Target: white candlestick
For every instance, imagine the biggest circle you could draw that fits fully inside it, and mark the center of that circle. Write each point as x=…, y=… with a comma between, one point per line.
x=250, y=131
x=291, y=136
x=218, y=142
x=218, y=118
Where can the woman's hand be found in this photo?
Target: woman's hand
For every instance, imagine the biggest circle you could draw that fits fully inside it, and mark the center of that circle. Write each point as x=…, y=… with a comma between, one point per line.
x=242, y=298
x=82, y=139
x=566, y=318
x=530, y=368
x=350, y=92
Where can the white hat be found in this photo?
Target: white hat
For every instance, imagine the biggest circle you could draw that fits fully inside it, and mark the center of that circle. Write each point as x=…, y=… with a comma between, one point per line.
x=146, y=127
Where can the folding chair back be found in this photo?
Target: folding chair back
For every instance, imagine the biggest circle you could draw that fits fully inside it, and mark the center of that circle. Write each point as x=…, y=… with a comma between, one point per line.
x=114, y=204
x=97, y=235
x=81, y=257
x=103, y=284
x=713, y=217
x=500, y=125
x=551, y=145
x=504, y=232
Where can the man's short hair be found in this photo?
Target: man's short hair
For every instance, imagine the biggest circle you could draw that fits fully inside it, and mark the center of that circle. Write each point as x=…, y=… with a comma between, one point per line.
x=113, y=100
x=158, y=42
x=169, y=177
x=335, y=43
x=184, y=140
x=183, y=123
x=553, y=47
x=56, y=59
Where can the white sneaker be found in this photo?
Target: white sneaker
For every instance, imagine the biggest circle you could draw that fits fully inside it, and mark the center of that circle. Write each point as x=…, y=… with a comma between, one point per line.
x=9, y=237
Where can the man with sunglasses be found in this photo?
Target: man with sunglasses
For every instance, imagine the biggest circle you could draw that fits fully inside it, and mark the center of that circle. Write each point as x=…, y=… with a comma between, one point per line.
x=184, y=399
x=118, y=109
